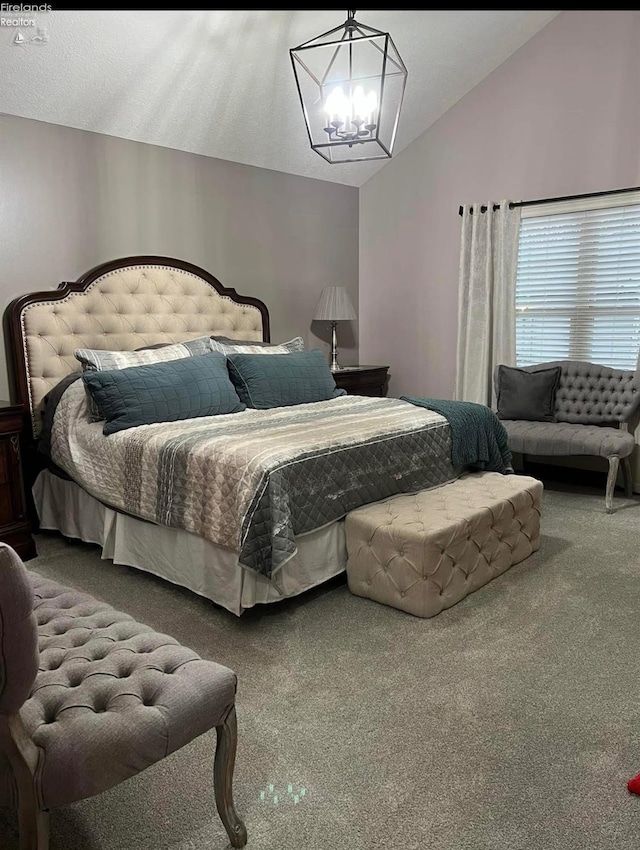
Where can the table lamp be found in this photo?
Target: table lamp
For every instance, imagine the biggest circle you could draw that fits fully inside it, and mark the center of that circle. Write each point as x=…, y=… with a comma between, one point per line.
x=334, y=305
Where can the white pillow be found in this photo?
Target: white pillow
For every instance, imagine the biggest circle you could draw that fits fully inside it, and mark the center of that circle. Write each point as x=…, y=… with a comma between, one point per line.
x=242, y=346
x=97, y=360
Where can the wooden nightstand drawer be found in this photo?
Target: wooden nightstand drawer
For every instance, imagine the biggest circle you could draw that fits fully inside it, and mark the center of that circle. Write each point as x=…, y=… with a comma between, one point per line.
x=4, y=465
x=362, y=380
x=14, y=525
x=6, y=506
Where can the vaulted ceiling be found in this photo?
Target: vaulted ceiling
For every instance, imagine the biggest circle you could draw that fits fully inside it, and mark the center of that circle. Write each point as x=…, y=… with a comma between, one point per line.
x=220, y=83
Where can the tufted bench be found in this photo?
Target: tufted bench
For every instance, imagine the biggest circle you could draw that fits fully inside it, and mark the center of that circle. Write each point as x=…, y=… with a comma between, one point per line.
x=89, y=698
x=593, y=407
x=425, y=552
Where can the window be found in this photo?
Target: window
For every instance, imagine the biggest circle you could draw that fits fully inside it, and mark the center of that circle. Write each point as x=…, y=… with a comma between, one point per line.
x=578, y=282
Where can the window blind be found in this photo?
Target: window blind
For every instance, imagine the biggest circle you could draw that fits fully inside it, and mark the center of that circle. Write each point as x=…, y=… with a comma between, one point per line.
x=578, y=287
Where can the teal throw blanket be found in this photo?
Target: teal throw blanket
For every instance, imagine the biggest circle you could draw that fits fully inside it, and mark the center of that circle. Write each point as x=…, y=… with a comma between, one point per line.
x=478, y=437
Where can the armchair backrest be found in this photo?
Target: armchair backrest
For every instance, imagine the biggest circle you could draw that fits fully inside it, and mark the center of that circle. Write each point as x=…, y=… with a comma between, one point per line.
x=19, y=656
x=592, y=394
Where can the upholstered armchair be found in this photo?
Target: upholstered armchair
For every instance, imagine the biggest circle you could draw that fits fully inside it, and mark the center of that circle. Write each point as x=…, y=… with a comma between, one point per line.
x=89, y=698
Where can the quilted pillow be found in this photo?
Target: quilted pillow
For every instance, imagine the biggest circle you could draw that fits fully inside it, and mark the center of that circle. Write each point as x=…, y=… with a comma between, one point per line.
x=282, y=379
x=100, y=360
x=163, y=392
x=247, y=346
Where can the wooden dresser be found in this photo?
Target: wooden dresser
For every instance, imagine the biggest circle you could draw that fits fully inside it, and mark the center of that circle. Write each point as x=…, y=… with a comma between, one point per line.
x=15, y=528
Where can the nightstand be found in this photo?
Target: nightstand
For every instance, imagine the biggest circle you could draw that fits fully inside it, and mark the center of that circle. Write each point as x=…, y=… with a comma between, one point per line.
x=362, y=380
x=14, y=524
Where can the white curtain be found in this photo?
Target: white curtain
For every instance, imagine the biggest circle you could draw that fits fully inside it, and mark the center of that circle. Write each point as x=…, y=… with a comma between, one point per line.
x=486, y=297
x=635, y=457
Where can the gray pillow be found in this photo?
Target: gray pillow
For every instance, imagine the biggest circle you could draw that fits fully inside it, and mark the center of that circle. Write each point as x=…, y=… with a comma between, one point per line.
x=282, y=379
x=527, y=395
x=163, y=392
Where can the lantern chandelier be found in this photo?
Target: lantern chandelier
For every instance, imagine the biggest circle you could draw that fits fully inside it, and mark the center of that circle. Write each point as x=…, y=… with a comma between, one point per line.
x=351, y=83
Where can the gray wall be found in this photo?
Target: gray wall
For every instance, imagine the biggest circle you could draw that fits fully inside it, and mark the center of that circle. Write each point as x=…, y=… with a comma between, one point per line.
x=560, y=116
x=70, y=199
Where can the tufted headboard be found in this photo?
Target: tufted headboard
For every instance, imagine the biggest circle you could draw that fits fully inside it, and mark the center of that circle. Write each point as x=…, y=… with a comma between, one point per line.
x=121, y=305
x=591, y=394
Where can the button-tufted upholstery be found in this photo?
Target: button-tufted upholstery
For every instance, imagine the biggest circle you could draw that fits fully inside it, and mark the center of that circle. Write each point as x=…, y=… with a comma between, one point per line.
x=591, y=394
x=593, y=405
x=18, y=637
x=564, y=438
x=109, y=697
x=123, y=310
x=425, y=552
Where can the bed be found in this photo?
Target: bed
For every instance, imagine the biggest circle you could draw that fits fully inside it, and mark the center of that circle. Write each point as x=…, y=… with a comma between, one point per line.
x=250, y=508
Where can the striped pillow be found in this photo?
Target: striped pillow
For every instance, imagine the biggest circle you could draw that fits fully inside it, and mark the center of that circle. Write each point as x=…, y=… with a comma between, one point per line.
x=244, y=346
x=97, y=360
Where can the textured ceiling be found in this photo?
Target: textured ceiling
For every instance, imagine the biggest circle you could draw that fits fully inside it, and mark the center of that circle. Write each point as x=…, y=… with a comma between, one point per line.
x=220, y=83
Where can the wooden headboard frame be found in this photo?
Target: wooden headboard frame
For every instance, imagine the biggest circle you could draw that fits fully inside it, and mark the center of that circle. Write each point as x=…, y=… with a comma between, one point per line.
x=144, y=299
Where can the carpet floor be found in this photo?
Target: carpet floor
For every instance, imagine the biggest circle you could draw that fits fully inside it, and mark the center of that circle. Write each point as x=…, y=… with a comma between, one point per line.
x=511, y=720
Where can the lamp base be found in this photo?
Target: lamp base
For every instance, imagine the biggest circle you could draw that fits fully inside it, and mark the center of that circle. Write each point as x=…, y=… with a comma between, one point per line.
x=334, y=365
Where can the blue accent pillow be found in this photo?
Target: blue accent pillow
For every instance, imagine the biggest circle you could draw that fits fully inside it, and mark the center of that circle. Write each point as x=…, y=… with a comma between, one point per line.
x=163, y=392
x=281, y=380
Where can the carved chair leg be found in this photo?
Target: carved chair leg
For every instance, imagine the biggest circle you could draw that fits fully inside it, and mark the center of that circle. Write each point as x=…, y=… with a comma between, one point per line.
x=223, y=779
x=628, y=477
x=33, y=825
x=614, y=463
x=23, y=756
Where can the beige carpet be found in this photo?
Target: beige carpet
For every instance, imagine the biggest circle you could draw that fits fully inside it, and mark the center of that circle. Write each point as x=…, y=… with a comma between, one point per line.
x=512, y=720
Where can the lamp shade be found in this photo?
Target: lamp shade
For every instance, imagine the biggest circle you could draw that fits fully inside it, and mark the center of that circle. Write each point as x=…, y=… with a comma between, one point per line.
x=334, y=305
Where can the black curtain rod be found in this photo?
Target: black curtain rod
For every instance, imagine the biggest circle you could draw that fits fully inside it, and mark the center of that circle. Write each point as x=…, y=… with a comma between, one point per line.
x=514, y=204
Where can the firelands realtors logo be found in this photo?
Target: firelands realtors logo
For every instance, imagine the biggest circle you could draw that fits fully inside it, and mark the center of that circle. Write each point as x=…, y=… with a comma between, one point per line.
x=26, y=29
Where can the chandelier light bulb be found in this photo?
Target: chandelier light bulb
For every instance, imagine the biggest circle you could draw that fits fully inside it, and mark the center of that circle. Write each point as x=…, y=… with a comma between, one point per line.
x=335, y=102
x=338, y=109
x=359, y=103
x=372, y=102
x=351, y=117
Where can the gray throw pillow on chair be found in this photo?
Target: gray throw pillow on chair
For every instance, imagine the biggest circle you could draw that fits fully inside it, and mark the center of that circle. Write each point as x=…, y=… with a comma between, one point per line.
x=527, y=395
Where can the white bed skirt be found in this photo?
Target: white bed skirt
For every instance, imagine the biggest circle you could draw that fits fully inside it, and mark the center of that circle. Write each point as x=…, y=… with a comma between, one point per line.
x=184, y=558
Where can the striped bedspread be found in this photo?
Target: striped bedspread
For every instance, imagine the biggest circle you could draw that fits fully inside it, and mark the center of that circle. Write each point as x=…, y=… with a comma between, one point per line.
x=253, y=481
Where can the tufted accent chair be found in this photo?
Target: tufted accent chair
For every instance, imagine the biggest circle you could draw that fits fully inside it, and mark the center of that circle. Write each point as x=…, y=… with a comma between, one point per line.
x=89, y=698
x=593, y=407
